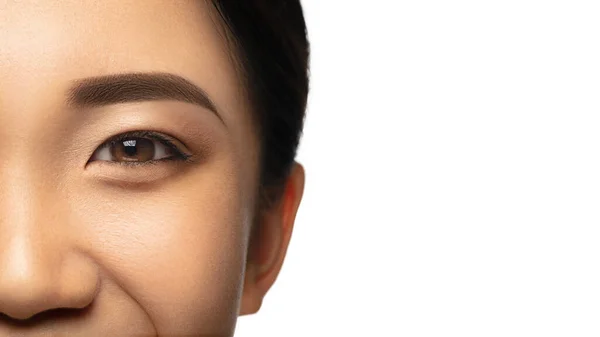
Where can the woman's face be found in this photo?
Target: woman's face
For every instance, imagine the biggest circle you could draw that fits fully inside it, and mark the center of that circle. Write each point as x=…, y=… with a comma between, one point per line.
x=146, y=234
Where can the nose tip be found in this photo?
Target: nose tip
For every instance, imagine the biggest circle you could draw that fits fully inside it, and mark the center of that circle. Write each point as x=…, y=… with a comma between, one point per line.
x=29, y=286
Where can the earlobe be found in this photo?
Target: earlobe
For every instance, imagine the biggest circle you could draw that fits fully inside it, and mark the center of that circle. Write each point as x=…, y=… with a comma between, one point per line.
x=274, y=236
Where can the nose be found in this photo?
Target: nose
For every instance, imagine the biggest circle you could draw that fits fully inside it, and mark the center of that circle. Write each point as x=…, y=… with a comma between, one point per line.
x=34, y=279
x=41, y=268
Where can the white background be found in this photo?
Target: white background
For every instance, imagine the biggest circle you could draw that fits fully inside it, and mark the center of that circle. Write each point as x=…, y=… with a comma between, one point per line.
x=453, y=174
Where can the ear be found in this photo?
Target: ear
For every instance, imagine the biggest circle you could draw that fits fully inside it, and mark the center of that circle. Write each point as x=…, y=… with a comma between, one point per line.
x=268, y=248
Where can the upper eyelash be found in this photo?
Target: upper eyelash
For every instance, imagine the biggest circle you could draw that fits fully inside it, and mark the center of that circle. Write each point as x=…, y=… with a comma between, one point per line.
x=178, y=154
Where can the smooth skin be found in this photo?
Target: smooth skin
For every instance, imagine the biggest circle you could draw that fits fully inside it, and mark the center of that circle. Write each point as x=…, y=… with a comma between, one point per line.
x=92, y=246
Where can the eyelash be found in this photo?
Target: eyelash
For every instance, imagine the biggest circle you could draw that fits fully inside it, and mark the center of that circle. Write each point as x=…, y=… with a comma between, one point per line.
x=178, y=154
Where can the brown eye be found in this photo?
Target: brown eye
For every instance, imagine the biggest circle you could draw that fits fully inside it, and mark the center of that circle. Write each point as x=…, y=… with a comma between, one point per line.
x=133, y=149
x=138, y=147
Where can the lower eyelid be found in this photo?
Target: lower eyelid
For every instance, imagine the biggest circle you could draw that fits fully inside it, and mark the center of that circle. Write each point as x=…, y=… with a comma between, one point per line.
x=137, y=174
x=118, y=172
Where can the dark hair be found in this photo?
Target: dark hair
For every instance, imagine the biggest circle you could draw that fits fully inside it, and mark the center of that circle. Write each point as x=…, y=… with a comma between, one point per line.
x=271, y=50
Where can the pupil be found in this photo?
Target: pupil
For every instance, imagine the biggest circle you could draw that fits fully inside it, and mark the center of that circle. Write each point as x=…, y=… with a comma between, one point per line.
x=130, y=148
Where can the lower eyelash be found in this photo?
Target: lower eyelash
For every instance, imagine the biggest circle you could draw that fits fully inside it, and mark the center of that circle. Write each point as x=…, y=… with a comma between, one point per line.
x=184, y=157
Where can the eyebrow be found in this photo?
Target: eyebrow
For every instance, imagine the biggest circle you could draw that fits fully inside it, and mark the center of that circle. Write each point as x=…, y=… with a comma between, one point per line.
x=137, y=87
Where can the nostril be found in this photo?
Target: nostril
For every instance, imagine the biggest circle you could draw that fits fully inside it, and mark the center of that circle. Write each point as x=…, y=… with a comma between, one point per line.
x=52, y=315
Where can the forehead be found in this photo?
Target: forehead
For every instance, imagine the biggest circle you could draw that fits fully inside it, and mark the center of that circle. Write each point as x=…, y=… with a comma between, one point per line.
x=47, y=43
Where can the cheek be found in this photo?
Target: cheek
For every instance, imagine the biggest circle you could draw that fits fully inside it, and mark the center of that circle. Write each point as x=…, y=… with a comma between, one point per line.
x=178, y=250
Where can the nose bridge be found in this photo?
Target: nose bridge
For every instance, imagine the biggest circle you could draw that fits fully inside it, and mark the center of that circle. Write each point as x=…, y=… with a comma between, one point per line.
x=39, y=267
x=24, y=200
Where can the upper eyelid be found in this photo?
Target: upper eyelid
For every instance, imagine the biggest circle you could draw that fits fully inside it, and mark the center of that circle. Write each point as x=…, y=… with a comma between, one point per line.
x=136, y=134
x=154, y=135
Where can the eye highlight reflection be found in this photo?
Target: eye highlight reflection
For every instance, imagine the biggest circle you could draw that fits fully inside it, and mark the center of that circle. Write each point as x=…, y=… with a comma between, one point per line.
x=139, y=148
